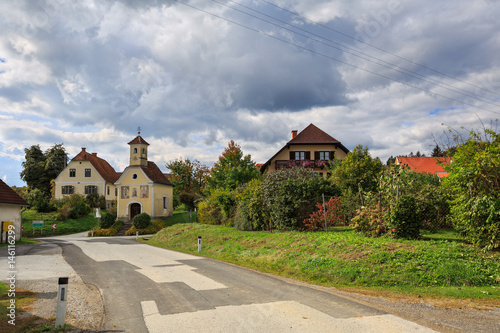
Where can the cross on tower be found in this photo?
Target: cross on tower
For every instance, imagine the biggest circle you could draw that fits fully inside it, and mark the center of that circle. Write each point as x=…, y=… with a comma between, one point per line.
x=139, y=130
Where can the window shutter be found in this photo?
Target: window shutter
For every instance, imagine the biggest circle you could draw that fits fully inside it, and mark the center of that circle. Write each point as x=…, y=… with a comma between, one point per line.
x=316, y=155
x=307, y=155
x=332, y=155
x=292, y=155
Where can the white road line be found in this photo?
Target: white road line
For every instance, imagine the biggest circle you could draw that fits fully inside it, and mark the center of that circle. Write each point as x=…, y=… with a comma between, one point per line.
x=285, y=316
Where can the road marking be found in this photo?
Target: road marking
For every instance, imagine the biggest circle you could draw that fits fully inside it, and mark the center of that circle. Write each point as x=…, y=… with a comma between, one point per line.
x=282, y=316
x=39, y=267
x=159, y=265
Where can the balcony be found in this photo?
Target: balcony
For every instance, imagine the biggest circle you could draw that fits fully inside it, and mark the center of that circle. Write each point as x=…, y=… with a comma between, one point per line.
x=319, y=164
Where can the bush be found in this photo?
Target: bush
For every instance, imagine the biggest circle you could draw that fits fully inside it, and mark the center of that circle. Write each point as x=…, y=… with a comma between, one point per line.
x=72, y=207
x=106, y=231
x=218, y=208
x=334, y=216
x=153, y=228
x=371, y=220
x=39, y=201
x=108, y=220
x=141, y=221
x=250, y=212
x=405, y=222
x=95, y=200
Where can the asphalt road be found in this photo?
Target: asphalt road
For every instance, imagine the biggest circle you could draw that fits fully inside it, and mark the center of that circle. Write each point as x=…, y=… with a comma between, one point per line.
x=148, y=289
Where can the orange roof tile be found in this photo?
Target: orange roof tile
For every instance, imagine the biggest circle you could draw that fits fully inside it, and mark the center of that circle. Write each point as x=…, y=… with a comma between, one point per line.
x=9, y=196
x=425, y=164
x=138, y=140
x=102, y=166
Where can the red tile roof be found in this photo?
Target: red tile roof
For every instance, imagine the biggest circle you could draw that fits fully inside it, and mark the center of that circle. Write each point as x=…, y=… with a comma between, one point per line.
x=425, y=164
x=138, y=140
x=102, y=166
x=9, y=196
x=154, y=173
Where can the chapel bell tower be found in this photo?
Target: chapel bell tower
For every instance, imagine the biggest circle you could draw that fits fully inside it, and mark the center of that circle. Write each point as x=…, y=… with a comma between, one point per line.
x=138, y=151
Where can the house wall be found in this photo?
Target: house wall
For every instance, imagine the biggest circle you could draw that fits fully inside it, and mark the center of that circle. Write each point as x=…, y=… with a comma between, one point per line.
x=285, y=155
x=11, y=213
x=80, y=181
x=144, y=192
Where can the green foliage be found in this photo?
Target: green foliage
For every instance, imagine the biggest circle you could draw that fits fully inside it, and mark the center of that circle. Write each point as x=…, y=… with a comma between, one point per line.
x=290, y=196
x=218, y=208
x=106, y=231
x=39, y=201
x=404, y=220
x=40, y=168
x=357, y=170
x=108, y=220
x=334, y=216
x=371, y=220
x=250, y=213
x=153, y=228
x=95, y=200
x=72, y=207
x=189, y=178
x=141, y=221
x=232, y=169
x=474, y=180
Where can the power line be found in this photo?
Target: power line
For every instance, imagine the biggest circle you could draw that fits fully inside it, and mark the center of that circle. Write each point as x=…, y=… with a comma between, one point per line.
x=380, y=49
x=350, y=50
x=332, y=58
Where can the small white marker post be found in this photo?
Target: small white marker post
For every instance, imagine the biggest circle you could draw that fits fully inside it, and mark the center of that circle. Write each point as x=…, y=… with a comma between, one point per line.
x=136, y=235
x=62, y=296
x=199, y=244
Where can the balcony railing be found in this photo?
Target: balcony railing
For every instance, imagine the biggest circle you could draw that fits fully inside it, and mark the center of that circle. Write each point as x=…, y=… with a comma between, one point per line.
x=320, y=164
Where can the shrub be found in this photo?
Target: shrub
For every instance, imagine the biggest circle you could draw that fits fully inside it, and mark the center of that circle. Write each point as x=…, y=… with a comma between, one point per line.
x=218, y=208
x=141, y=221
x=72, y=207
x=405, y=222
x=39, y=201
x=371, y=220
x=153, y=228
x=106, y=231
x=108, y=220
x=334, y=216
x=250, y=212
x=95, y=200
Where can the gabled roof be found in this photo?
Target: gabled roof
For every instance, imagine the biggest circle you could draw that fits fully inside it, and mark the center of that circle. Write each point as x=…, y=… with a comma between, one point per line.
x=102, y=166
x=311, y=135
x=9, y=196
x=138, y=140
x=425, y=164
x=152, y=171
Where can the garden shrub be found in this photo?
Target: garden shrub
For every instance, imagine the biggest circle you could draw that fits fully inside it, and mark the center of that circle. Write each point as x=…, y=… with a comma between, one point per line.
x=405, y=222
x=153, y=228
x=39, y=201
x=218, y=208
x=250, y=212
x=95, y=200
x=108, y=220
x=141, y=221
x=334, y=216
x=103, y=232
x=371, y=220
x=72, y=207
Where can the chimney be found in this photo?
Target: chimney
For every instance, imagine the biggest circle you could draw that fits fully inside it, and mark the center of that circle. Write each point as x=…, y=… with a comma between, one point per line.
x=84, y=149
x=94, y=154
x=294, y=134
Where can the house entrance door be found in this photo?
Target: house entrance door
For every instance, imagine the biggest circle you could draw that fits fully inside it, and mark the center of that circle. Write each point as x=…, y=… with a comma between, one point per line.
x=135, y=209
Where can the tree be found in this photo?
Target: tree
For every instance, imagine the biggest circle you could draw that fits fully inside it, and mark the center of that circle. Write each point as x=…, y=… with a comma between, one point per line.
x=357, y=170
x=232, y=169
x=474, y=180
x=189, y=178
x=40, y=168
x=438, y=152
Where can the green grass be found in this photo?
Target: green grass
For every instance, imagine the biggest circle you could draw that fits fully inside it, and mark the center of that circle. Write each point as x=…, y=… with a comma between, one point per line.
x=67, y=227
x=345, y=259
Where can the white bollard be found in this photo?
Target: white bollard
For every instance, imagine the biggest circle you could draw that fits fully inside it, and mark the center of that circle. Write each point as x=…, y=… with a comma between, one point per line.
x=136, y=235
x=62, y=296
x=199, y=244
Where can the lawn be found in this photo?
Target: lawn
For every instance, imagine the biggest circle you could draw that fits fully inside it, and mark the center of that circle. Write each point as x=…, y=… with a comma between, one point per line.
x=67, y=227
x=434, y=267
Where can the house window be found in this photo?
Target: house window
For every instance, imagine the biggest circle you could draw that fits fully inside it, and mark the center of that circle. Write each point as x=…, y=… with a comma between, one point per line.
x=72, y=172
x=324, y=155
x=68, y=189
x=144, y=151
x=116, y=191
x=165, y=202
x=90, y=189
x=108, y=190
x=135, y=150
x=88, y=173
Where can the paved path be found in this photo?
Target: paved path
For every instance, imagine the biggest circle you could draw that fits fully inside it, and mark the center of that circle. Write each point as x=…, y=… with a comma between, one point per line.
x=148, y=289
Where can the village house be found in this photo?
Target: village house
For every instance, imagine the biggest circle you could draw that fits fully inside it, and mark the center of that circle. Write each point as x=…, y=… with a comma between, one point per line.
x=11, y=208
x=432, y=165
x=140, y=188
x=311, y=148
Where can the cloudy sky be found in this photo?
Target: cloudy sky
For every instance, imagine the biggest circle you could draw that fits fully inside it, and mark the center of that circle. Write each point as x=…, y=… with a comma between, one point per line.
x=194, y=74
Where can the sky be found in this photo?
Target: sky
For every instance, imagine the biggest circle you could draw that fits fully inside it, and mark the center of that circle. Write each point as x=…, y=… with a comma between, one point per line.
x=393, y=75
